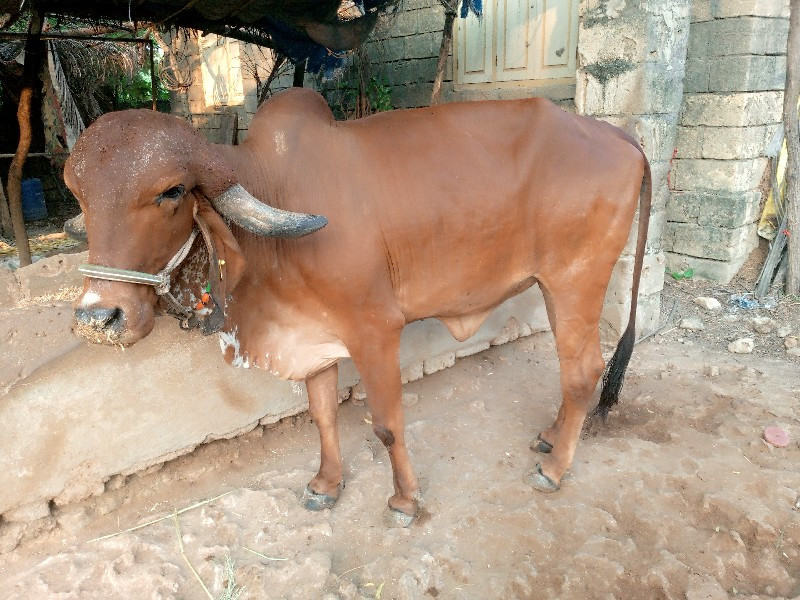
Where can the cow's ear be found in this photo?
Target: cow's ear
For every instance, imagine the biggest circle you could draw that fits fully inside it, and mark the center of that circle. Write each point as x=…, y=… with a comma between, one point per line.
x=225, y=246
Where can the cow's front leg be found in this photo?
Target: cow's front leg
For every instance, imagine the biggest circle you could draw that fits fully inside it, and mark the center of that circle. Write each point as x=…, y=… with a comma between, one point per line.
x=380, y=373
x=323, y=404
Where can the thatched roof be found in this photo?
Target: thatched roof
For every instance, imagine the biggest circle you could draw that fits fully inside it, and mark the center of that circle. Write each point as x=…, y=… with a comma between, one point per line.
x=252, y=20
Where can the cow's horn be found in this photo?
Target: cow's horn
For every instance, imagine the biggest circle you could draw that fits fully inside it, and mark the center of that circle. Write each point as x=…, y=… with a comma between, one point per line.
x=245, y=210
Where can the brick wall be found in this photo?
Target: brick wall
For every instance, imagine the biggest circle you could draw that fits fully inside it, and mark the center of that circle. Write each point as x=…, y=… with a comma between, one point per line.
x=732, y=105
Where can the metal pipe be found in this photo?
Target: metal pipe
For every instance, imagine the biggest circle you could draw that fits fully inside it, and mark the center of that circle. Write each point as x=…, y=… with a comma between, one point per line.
x=124, y=275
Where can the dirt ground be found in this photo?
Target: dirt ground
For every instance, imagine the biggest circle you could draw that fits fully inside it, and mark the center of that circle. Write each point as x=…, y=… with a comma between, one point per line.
x=676, y=496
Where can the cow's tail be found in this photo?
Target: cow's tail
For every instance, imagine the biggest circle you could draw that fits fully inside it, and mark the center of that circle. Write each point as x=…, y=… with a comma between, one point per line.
x=615, y=370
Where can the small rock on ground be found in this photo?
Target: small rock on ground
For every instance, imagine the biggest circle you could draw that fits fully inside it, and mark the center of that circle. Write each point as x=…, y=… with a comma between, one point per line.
x=692, y=324
x=410, y=399
x=741, y=346
x=762, y=324
x=784, y=330
x=708, y=303
x=705, y=587
x=791, y=341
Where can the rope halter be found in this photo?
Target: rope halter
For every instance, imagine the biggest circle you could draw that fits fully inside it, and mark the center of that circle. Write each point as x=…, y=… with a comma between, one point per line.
x=161, y=281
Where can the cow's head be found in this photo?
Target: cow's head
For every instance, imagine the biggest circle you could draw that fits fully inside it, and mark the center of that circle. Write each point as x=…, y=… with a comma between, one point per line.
x=143, y=179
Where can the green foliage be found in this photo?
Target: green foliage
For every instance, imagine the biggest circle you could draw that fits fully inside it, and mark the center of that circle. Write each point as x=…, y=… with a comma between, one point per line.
x=346, y=102
x=379, y=94
x=136, y=91
x=678, y=275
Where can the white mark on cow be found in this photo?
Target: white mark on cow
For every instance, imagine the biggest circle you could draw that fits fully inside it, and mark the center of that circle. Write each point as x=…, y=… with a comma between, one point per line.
x=89, y=299
x=229, y=340
x=280, y=143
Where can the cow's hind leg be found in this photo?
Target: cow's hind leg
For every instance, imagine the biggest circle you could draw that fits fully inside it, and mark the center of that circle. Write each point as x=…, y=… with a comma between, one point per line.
x=575, y=316
x=376, y=358
x=323, y=403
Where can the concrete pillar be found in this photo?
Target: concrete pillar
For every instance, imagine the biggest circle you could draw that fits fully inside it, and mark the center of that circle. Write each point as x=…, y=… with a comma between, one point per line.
x=631, y=66
x=735, y=73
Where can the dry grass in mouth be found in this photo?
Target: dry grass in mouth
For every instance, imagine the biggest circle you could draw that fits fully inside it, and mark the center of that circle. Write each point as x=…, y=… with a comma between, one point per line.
x=104, y=336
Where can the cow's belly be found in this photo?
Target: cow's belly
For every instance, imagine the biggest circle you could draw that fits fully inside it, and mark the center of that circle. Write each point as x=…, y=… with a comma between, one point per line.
x=463, y=311
x=288, y=354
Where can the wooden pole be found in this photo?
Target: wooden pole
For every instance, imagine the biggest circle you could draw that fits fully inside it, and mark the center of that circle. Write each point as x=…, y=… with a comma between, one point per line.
x=33, y=60
x=299, y=74
x=444, y=49
x=5, y=215
x=790, y=123
x=153, y=85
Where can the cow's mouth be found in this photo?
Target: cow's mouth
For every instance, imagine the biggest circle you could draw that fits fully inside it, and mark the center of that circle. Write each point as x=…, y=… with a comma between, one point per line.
x=101, y=325
x=111, y=327
x=113, y=314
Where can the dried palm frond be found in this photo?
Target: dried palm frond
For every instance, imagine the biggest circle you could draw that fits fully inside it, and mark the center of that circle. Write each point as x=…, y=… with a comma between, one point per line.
x=90, y=65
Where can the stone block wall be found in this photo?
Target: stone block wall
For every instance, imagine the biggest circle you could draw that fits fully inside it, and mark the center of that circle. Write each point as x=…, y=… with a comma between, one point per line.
x=191, y=103
x=631, y=65
x=732, y=108
x=404, y=50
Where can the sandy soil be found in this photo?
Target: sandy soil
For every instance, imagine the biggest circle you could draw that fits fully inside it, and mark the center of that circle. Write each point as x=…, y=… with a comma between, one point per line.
x=676, y=496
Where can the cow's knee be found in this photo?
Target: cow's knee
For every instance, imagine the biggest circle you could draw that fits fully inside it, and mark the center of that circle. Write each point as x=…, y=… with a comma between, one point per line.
x=385, y=435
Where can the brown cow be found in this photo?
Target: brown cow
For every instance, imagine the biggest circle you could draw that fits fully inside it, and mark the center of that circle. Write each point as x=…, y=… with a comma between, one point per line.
x=438, y=212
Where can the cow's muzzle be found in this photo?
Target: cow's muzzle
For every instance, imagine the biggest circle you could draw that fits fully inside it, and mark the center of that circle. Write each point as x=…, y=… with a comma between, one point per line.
x=102, y=324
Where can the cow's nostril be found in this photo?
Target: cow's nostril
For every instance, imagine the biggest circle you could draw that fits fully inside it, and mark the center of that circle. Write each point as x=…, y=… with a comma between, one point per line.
x=99, y=318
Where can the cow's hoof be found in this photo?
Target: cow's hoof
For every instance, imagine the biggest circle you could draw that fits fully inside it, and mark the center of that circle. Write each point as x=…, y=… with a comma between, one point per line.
x=539, y=481
x=398, y=519
x=314, y=501
x=540, y=445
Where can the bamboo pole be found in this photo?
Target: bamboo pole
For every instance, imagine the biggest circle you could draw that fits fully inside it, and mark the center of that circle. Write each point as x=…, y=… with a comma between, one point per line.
x=790, y=122
x=33, y=59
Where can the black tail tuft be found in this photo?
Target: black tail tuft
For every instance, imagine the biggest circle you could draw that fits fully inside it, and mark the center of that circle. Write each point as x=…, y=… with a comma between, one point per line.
x=615, y=372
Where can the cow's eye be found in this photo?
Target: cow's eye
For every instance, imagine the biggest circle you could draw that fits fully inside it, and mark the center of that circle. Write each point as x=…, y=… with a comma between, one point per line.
x=173, y=193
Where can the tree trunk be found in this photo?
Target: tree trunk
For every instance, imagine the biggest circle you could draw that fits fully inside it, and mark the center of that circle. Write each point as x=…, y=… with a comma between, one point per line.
x=790, y=123
x=363, y=65
x=444, y=48
x=30, y=73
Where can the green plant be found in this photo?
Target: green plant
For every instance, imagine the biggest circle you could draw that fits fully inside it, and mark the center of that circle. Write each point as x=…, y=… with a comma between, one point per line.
x=678, y=275
x=379, y=94
x=136, y=91
x=347, y=102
